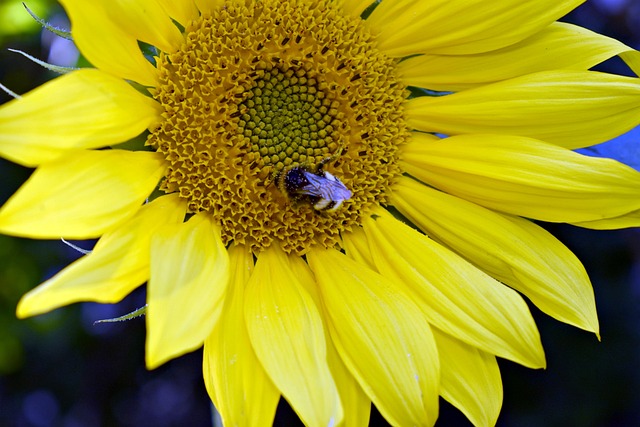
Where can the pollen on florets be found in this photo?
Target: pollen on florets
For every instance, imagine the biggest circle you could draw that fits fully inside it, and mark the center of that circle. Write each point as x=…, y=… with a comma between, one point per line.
x=264, y=86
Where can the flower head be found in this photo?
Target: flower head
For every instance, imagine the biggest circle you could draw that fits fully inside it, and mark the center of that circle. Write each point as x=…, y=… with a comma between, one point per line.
x=296, y=207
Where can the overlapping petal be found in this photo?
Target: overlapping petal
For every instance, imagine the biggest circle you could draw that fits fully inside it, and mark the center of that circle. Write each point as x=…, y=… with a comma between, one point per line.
x=632, y=219
x=354, y=7
x=512, y=250
x=205, y=6
x=383, y=339
x=470, y=380
x=569, y=108
x=82, y=195
x=182, y=11
x=117, y=265
x=559, y=46
x=356, y=403
x=287, y=334
x=146, y=20
x=82, y=109
x=239, y=387
x=188, y=281
x=460, y=27
x=633, y=60
x=356, y=247
x=525, y=177
x=455, y=296
x=106, y=44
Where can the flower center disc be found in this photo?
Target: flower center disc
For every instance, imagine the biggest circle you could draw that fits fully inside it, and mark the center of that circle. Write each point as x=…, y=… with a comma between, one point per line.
x=260, y=88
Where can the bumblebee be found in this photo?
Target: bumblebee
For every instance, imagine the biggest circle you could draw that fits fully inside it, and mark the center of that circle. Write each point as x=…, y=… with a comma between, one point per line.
x=323, y=190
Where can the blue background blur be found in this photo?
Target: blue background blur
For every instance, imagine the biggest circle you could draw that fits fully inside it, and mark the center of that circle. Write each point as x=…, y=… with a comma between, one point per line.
x=59, y=369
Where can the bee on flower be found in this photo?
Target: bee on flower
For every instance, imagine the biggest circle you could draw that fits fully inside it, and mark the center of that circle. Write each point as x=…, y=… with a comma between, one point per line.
x=323, y=190
x=411, y=285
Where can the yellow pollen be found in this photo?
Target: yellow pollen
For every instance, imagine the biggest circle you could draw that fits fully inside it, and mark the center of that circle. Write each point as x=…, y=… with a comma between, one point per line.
x=261, y=87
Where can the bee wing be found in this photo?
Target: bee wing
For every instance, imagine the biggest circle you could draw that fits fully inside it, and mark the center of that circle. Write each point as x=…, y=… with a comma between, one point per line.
x=325, y=188
x=316, y=185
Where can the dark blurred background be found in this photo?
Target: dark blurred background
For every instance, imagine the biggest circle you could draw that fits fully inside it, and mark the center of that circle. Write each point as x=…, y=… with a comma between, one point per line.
x=60, y=369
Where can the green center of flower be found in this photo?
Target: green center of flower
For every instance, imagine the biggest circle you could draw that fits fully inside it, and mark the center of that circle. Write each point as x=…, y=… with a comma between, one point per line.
x=264, y=88
x=288, y=120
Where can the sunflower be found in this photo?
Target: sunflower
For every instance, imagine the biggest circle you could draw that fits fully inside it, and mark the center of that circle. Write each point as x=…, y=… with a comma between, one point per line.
x=333, y=197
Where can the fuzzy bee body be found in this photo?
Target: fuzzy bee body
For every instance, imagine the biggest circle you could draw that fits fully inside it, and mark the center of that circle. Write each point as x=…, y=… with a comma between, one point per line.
x=323, y=190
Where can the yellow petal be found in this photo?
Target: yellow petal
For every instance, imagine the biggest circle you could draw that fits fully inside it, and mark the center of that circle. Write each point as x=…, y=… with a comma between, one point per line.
x=145, y=20
x=183, y=11
x=356, y=247
x=569, y=108
x=633, y=60
x=455, y=296
x=106, y=44
x=354, y=7
x=525, y=177
x=187, y=285
x=118, y=264
x=351, y=394
x=287, y=335
x=460, y=27
x=559, y=46
x=82, y=109
x=382, y=337
x=82, y=195
x=470, y=380
x=240, y=389
x=205, y=6
x=632, y=219
x=513, y=250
